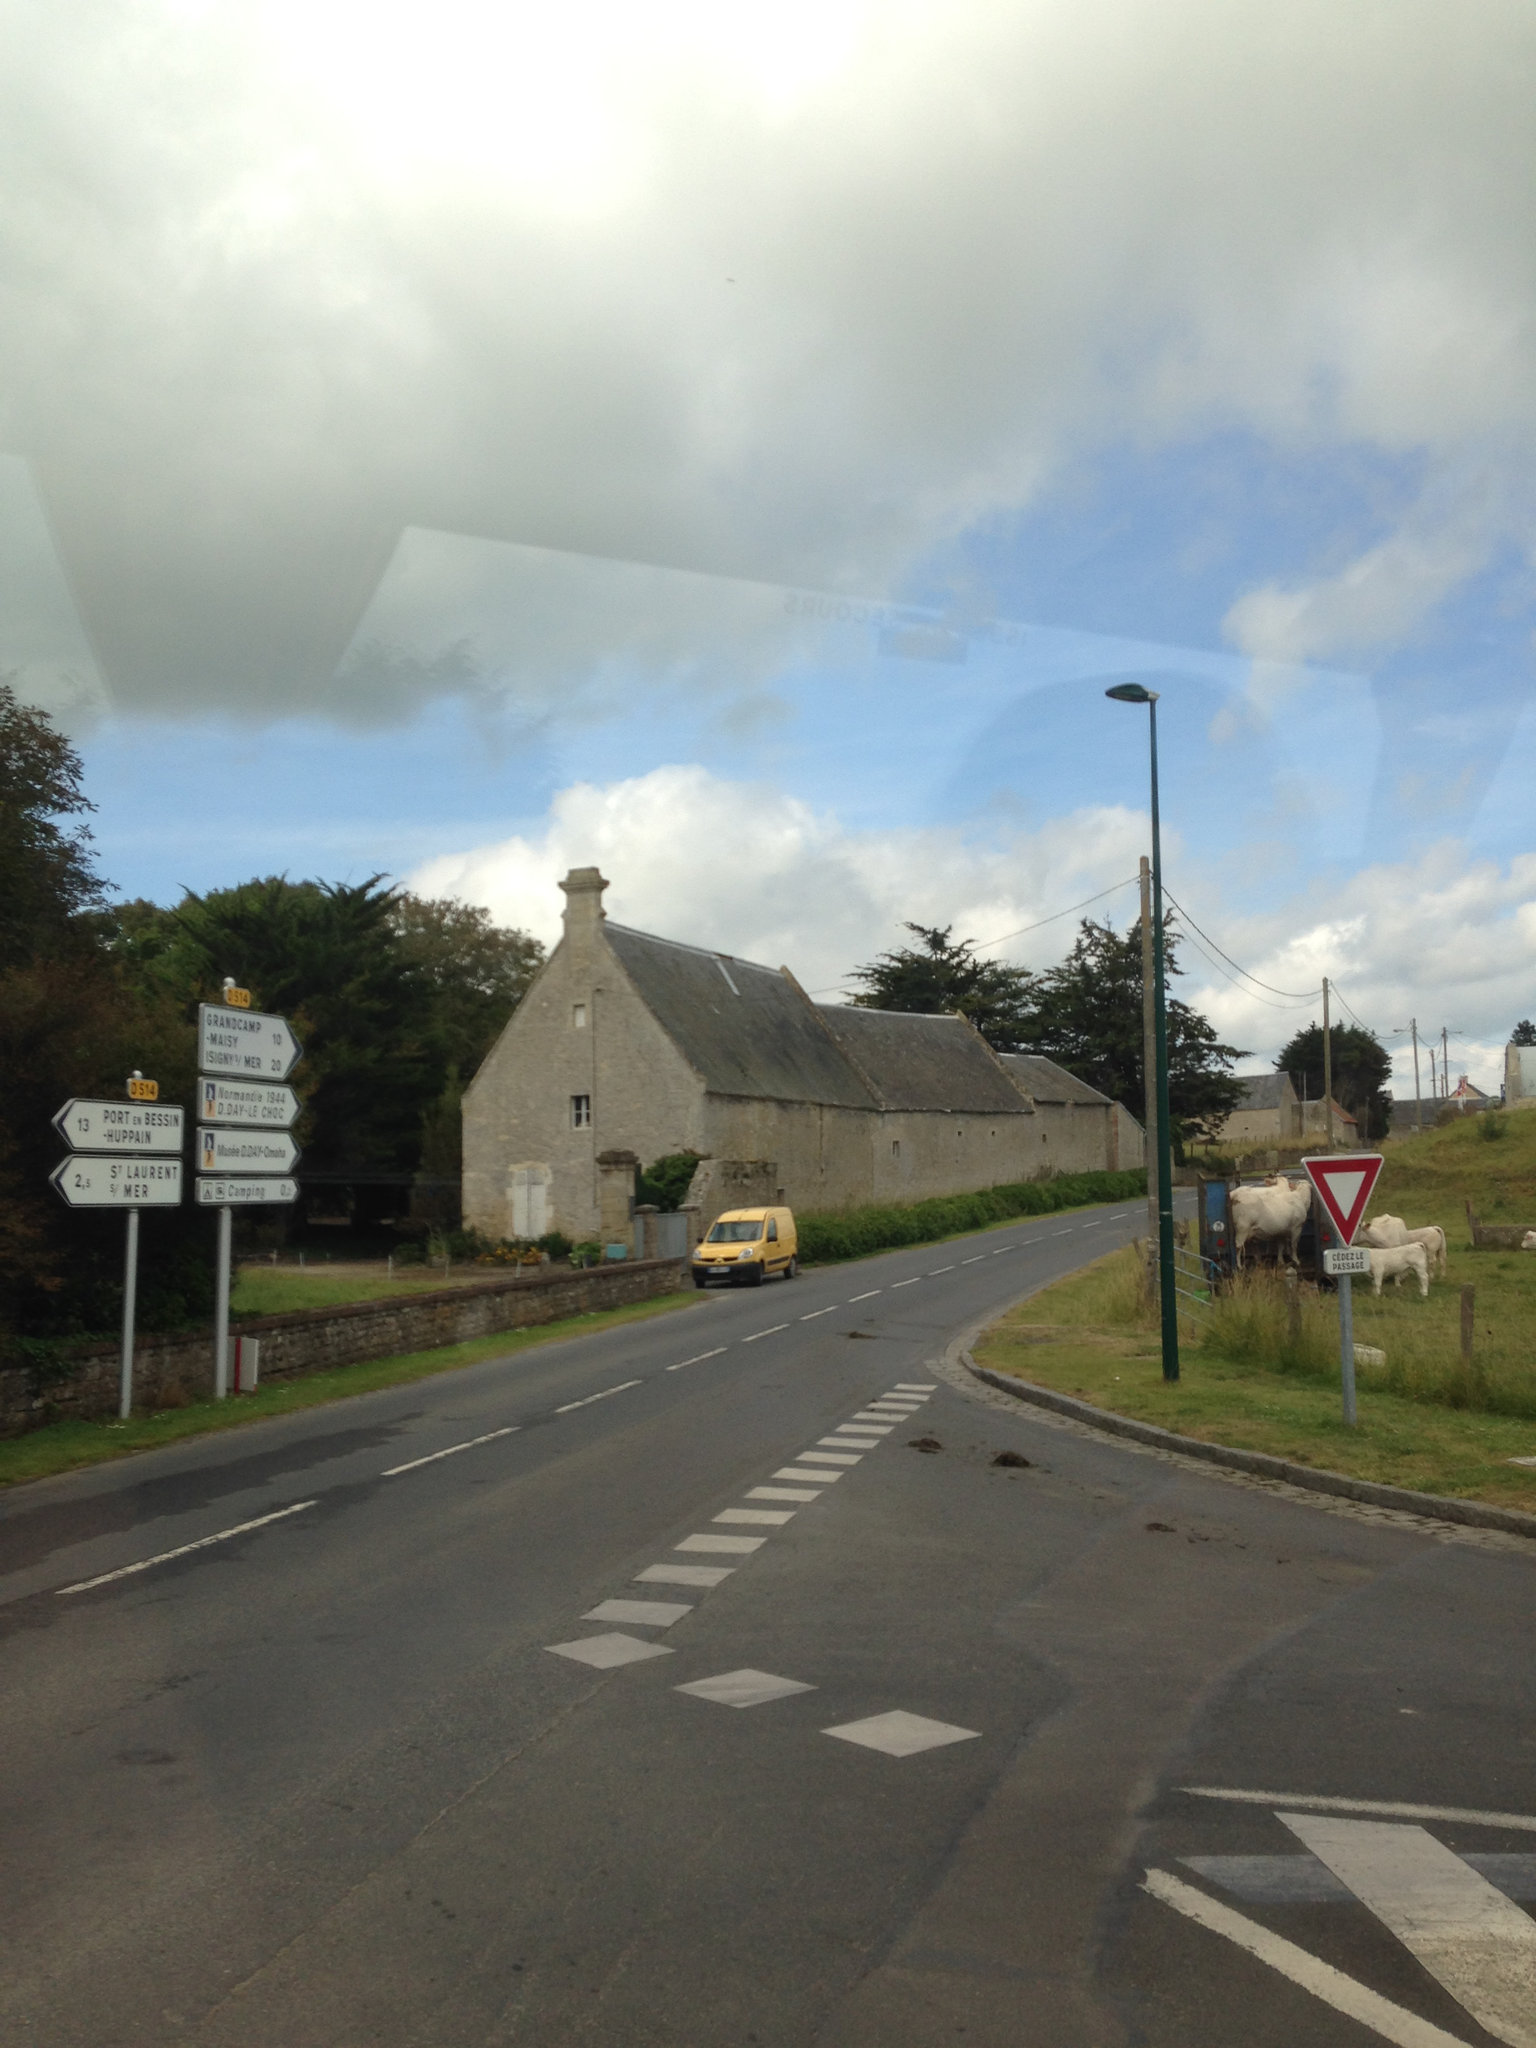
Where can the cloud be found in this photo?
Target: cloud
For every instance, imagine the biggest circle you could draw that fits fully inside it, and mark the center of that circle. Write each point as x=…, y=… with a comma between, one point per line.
x=784, y=293
x=747, y=869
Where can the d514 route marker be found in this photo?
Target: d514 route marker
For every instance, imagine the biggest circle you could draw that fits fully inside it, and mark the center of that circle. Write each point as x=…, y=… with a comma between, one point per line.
x=268, y=1105
x=242, y=1151
x=91, y=1126
x=1345, y=1182
x=237, y=1191
x=248, y=1045
x=88, y=1182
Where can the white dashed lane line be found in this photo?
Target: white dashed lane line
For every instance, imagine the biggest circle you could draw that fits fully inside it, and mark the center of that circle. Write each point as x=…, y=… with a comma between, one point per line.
x=722, y=1546
x=1094, y=1224
x=784, y=1492
x=865, y=1297
x=815, y=1312
x=935, y=1271
x=975, y=1261
x=587, y=1399
x=770, y=1518
x=127, y=1571
x=718, y=1352
x=1064, y=1233
x=772, y=1331
x=821, y=1477
x=906, y=1283
x=394, y=1471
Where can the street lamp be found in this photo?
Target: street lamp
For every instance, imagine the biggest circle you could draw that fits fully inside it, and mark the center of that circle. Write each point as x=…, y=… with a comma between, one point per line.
x=1133, y=693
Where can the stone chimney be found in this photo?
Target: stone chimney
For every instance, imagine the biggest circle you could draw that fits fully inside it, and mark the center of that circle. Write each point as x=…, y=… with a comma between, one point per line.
x=584, y=910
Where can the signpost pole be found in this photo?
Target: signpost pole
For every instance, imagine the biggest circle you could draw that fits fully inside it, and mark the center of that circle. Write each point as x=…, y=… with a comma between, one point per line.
x=1327, y=1073
x=130, y=1307
x=1347, y=1346
x=221, y=1307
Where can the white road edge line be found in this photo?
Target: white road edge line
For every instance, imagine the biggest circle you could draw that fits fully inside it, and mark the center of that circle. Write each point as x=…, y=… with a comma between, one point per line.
x=699, y=1360
x=1394, y=2022
x=432, y=1457
x=587, y=1399
x=1395, y=1809
x=772, y=1331
x=127, y=1571
x=815, y=1312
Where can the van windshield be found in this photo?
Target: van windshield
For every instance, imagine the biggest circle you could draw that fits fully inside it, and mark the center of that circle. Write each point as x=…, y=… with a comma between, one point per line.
x=735, y=1233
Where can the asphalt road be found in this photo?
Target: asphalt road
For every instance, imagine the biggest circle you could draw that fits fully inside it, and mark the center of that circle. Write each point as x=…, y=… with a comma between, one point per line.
x=944, y=1756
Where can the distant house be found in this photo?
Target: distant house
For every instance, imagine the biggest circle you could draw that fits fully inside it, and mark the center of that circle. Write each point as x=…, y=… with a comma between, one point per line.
x=628, y=1047
x=1272, y=1113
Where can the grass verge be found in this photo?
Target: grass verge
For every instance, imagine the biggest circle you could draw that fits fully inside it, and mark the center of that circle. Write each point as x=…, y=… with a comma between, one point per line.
x=274, y=1290
x=63, y=1446
x=1088, y=1336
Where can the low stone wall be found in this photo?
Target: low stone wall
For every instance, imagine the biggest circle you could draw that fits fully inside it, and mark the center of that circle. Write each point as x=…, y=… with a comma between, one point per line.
x=171, y=1371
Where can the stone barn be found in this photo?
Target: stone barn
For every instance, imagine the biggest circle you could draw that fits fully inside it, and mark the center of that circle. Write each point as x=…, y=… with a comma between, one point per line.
x=628, y=1047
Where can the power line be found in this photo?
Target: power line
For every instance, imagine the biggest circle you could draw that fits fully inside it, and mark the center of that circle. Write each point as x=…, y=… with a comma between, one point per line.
x=1291, y=995
x=1301, y=1004
x=986, y=945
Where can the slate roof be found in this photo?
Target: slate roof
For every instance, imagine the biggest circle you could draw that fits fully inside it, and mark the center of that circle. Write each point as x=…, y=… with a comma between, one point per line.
x=1266, y=1091
x=1047, y=1082
x=923, y=1062
x=745, y=1029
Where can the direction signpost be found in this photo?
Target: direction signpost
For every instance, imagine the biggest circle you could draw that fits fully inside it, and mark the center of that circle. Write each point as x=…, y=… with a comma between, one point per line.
x=127, y=1156
x=243, y=1147
x=1345, y=1182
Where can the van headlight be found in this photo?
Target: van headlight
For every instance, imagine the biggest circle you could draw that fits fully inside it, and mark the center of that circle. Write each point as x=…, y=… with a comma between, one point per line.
x=747, y=1252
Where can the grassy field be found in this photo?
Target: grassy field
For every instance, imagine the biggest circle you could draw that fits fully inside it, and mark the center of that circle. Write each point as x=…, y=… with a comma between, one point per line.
x=63, y=1446
x=1423, y=1423
x=261, y=1290
x=1437, y=1175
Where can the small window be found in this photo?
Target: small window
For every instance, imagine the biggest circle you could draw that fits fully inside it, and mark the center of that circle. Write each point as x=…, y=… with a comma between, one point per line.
x=581, y=1112
x=895, y=1148
x=578, y=1016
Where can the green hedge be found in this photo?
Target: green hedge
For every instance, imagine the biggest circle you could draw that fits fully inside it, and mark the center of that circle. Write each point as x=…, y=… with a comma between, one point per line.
x=857, y=1232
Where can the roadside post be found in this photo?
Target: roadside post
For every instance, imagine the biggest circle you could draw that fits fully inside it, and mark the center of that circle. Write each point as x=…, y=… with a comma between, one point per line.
x=1344, y=1183
x=244, y=1057
x=127, y=1155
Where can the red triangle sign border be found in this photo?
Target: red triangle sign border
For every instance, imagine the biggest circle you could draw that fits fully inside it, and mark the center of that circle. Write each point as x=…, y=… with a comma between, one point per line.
x=1323, y=1167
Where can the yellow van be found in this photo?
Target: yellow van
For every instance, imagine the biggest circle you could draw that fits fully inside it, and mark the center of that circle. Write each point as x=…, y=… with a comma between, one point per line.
x=745, y=1245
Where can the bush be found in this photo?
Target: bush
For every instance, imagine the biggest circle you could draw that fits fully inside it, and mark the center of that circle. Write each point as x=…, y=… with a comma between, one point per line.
x=854, y=1233
x=665, y=1183
x=1491, y=1126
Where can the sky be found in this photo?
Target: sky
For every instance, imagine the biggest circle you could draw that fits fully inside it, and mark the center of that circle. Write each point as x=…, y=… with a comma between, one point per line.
x=739, y=444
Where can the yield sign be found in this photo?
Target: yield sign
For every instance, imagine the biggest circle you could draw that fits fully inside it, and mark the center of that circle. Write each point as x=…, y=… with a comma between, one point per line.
x=1344, y=1181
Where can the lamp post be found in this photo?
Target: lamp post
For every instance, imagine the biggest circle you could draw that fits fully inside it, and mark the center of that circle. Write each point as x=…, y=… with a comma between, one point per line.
x=1133, y=693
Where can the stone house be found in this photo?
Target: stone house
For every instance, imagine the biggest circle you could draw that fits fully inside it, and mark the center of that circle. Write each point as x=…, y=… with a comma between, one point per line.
x=628, y=1047
x=1272, y=1113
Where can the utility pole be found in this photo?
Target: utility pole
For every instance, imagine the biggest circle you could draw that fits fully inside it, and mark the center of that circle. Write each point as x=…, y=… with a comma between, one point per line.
x=1149, y=1043
x=1418, y=1099
x=1445, y=1063
x=1327, y=1074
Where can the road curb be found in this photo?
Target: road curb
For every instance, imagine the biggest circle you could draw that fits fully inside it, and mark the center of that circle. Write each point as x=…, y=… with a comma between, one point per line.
x=1471, y=1514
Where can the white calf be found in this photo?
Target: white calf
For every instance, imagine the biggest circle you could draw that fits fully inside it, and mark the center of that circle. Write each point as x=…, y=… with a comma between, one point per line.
x=1396, y=1260
x=1387, y=1231
x=1432, y=1237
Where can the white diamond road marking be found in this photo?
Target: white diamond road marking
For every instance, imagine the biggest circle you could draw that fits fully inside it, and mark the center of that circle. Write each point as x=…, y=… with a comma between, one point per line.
x=1467, y=1935
x=722, y=1546
x=641, y=1613
x=683, y=1574
x=606, y=1653
x=772, y=1331
x=865, y=1297
x=821, y=1477
x=587, y=1399
x=842, y=1455
x=432, y=1457
x=782, y=1493
x=743, y=1688
x=1393, y=2022
x=699, y=1360
x=126, y=1571
x=901, y=1734
x=772, y=1518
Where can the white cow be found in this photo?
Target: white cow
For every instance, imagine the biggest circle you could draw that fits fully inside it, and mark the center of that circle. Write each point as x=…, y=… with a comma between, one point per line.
x=1386, y=1231
x=1528, y=1242
x=1396, y=1260
x=1278, y=1209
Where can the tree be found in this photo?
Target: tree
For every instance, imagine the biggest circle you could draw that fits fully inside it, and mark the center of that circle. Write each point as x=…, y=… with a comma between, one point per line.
x=71, y=1024
x=1524, y=1033
x=1087, y=1016
x=1362, y=1067
x=478, y=972
x=941, y=975
x=47, y=880
x=667, y=1180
